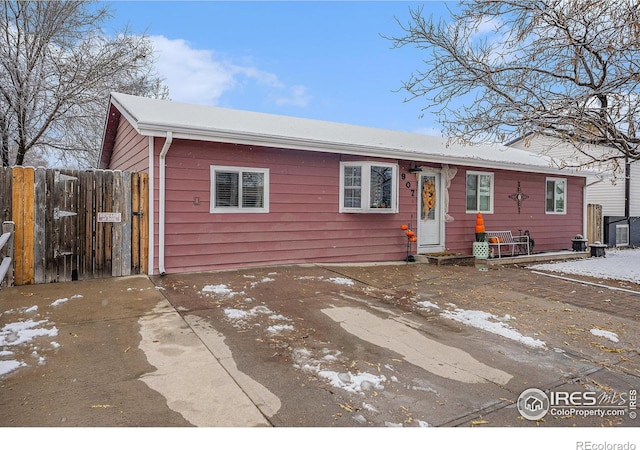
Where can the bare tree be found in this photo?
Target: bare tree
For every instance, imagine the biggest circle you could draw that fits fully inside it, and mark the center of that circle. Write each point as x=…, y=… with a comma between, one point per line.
x=500, y=70
x=56, y=70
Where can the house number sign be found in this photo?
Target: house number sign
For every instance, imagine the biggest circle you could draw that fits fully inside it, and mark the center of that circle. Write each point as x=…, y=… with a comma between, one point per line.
x=408, y=184
x=110, y=217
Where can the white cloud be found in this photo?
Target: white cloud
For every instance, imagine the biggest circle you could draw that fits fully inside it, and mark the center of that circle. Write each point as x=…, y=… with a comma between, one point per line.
x=487, y=25
x=294, y=96
x=203, y=77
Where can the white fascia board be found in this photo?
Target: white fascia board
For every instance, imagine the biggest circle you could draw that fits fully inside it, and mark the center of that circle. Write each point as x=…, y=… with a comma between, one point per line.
x=245, y=138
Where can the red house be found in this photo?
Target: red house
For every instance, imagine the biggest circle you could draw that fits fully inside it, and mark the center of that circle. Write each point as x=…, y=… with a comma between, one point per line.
x=233, y=188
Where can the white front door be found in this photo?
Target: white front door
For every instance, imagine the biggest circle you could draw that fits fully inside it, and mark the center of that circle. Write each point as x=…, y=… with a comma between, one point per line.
x=430, y=212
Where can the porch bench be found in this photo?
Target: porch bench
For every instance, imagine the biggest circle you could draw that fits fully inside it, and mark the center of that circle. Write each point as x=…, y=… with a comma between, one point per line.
x=499, y=239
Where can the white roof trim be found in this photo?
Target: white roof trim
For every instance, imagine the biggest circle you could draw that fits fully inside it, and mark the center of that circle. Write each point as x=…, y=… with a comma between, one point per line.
x=151, y=117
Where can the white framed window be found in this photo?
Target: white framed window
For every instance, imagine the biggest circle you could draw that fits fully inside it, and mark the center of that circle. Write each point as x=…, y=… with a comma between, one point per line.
x=239, y=190
x=368, y=187
x=622, y=235
x=556, y=196
x=479, y=192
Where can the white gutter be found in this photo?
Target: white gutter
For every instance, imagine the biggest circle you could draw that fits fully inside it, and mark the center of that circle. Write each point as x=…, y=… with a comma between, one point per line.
x=161, y=209
x=152, y=226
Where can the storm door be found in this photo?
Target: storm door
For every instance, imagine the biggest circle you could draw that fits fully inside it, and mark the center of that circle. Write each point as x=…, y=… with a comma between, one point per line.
x=430, y=228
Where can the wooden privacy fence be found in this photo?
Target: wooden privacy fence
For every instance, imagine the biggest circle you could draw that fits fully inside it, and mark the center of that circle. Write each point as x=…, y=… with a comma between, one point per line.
x=73, y=225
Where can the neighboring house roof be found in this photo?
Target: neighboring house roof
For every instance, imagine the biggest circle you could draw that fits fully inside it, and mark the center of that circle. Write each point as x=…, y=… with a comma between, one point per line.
x=151, y=117
x=564, y=152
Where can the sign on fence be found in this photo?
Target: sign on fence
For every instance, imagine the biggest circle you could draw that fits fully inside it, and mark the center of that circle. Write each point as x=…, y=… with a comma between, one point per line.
x=111, y=217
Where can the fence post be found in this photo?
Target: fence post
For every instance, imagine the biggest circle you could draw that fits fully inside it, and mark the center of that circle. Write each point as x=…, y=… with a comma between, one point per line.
x=6, y=251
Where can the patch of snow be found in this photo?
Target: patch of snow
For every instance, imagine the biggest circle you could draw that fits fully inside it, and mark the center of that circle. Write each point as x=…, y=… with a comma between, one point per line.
x=10, y=366
x=218, y=289
x=342, y=280
x=428, y=304
x=22, y=332
x=489, y=322
x=34, y=308
x=278, y=317
x=618, y=264
x=260, y=310
x=60, y=301
x=239, y=314
x=353, y=382
x=605, y=334
x=370, y=408
x=235, y=314
x=275, y=329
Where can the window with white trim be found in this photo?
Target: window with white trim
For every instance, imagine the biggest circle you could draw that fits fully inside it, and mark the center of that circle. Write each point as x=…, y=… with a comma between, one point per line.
x=479, y=192
x=368, y=187
x=622, y=235
x=239, y=190
x=556, y=196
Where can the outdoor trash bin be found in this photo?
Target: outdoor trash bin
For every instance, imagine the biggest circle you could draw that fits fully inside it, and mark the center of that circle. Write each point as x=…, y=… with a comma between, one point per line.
x=597, y=249
x=579, y=245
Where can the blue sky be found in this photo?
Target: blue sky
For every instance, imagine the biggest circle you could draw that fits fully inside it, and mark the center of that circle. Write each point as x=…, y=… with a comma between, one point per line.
x=316, y=59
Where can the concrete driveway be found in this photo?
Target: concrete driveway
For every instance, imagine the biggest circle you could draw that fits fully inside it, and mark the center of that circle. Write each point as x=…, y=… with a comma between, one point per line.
x=373, y=345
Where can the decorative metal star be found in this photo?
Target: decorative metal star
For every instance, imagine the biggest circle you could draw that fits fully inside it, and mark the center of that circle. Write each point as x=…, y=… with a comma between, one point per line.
x=519, y=197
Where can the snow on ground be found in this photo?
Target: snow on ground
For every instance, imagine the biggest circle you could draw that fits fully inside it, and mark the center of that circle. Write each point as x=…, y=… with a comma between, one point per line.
x=18, y=347
x=605, y=334
x=342, y=280
x=337, y=280
x=484, y=321
x=493, y=324
x=305, y=360
x=623, y=265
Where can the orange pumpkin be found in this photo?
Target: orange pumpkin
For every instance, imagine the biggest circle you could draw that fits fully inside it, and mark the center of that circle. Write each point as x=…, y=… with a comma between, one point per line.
x=413, y=239
x=410, y=233
x=404, y=227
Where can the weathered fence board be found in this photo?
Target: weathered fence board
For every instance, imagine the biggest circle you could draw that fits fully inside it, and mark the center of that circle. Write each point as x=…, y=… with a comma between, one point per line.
x=143, y=216
x=594, y=223
x=6, y=254
x=5, y=193
x=58, y=234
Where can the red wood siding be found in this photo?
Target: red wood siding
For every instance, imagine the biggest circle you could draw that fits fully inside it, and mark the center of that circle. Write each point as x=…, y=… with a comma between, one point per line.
x=303, y=224
x=130, y=150
x=549, y=231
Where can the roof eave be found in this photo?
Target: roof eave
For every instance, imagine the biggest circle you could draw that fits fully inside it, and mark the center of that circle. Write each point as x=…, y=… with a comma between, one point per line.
x=244, y=138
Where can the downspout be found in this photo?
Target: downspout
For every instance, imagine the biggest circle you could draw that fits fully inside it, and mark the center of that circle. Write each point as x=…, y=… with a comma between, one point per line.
x=161, y=203
x=627, y=193
x=152, y=225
